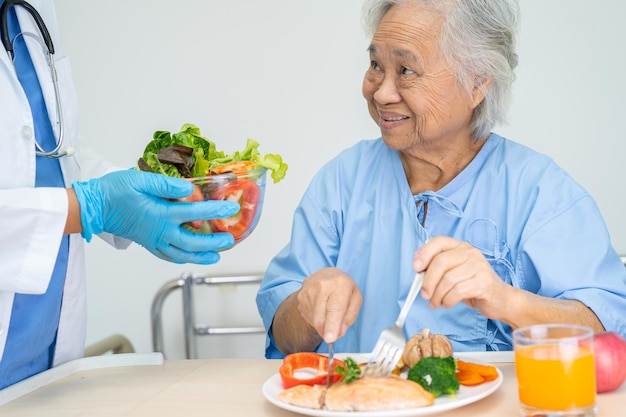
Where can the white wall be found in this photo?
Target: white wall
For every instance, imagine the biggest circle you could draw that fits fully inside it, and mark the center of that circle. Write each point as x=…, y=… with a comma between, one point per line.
x=288, y=73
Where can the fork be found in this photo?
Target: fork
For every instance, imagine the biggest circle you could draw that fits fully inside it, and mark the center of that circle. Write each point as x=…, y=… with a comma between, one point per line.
x=390, y=345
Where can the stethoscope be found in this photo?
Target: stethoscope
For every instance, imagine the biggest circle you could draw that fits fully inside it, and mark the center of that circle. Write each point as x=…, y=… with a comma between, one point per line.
x=8, y=45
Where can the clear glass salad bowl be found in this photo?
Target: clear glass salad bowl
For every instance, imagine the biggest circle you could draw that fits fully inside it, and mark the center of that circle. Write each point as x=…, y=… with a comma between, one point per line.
x=246, y=188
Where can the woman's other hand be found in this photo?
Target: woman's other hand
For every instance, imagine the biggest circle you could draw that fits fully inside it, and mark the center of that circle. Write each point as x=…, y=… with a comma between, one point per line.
x=458, y=272
x=329, y=301
x=321, y=310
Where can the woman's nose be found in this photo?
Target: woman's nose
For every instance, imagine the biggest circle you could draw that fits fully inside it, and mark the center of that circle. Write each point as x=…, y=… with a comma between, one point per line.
x=387, y=91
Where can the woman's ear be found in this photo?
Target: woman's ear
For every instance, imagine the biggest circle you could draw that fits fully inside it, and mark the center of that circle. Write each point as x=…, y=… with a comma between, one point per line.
x=481, y=87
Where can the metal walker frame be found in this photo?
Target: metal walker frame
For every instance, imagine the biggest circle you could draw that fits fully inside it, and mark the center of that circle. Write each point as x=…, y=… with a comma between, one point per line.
x=192, y=329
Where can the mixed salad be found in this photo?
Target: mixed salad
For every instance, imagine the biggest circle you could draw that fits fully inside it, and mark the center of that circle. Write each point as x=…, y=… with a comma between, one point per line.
x=216, y=175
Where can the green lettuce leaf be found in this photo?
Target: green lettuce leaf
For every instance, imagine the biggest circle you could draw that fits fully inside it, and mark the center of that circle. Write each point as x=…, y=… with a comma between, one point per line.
x=205, y=154
x=274, y=163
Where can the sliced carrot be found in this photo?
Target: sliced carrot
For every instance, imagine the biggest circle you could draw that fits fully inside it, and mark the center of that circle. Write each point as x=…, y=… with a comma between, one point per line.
x=469, y=370
x=238, y=166
x=469, y=378
x=486, y=371
x=489, y=376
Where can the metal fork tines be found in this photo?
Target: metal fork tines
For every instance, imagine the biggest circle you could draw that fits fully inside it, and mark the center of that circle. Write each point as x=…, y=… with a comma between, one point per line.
x=390, y=345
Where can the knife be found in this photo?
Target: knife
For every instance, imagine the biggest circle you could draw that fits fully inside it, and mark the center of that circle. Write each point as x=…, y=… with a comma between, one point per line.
x=331, y=358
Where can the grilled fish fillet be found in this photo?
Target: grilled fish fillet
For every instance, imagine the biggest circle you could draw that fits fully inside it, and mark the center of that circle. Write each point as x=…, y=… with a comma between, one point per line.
x=364, y=394
x=304, y=396
x=377, y=394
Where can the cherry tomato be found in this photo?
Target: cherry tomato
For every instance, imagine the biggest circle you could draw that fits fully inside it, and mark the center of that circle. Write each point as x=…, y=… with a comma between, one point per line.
x=307, y=360
x=248, y=194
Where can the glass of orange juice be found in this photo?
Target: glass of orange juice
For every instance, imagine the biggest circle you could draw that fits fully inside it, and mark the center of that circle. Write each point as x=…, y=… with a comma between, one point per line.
x=555, y=370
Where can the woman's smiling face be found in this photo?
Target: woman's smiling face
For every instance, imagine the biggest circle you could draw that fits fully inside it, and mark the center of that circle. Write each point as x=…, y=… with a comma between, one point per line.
x=411, y=91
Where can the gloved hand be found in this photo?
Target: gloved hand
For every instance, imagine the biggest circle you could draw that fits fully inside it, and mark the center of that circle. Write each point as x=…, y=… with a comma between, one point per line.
x=133, y=204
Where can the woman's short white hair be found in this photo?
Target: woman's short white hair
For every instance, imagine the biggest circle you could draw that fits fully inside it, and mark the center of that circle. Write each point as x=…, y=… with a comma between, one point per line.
x=478, y=41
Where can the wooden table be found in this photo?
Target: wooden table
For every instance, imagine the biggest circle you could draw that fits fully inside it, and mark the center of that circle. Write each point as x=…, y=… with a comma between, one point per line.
x=143, y=385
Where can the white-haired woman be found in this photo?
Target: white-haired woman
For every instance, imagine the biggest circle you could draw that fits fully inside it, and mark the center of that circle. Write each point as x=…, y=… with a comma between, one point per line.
x=506, y=238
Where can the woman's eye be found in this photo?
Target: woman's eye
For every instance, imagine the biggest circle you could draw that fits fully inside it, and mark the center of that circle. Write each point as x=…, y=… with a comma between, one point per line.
x=374, y=65
x=406, y=71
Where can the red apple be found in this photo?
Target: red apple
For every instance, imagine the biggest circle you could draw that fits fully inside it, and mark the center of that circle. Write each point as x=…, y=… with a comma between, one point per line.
x=610, y=354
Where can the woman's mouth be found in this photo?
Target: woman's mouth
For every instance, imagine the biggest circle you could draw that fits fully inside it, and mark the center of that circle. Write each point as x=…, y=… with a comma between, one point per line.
x=387, y=121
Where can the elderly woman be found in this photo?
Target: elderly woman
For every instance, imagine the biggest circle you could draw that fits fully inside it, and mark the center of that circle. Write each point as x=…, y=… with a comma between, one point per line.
x=506, y=238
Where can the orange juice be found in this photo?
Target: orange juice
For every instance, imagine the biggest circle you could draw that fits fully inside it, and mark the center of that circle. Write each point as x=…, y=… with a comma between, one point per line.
x=556, y=377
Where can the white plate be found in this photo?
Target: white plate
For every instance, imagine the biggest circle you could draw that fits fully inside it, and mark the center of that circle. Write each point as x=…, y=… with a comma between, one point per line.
x=465, y=395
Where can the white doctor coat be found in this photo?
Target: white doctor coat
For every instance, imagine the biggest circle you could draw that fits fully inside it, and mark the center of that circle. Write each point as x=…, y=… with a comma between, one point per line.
x=32, y=219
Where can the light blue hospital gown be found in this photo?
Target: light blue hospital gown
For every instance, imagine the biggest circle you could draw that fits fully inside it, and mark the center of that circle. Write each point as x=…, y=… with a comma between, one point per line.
x=536, y=226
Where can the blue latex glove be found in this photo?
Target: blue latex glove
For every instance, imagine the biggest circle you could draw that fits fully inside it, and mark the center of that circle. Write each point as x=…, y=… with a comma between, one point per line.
x=132, y=204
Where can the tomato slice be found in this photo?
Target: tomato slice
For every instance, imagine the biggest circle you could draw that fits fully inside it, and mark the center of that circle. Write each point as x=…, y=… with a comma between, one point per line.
x=195, y=196
x=245, y=192
x=307, y=361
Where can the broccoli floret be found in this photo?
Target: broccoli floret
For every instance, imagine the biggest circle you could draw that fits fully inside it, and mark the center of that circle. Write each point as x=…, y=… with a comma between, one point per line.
x=436, y=375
